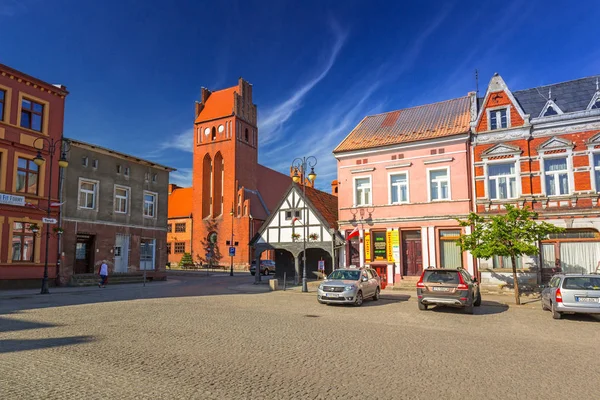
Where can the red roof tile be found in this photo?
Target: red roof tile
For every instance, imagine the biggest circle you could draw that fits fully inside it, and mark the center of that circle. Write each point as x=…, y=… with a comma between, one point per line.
x=180, y=203
x=429, y=121
x=219, y=104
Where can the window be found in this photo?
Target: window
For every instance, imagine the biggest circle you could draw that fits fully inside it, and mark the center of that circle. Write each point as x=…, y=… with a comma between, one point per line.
x=502, y=181
x=556, y=176
x=147, y=176
x=149, y=205
x=288, y=215
x=126, y=171
x=498, y=119
x=596, y=104
x=84, y=161
x=439, y=184
x=362, y=191
x=27, y=176
x=505, y=262
x=597, y=171
x=297, y=213
x=95, y=164
x=23, y=242
x=119, y=169
x=450, y=253
x=180, y=227
x=2, y=100
x=246, y=137
x=214, y=134
x=169, y=228
x=168, y=248
x=121, y=199
x=399, y=188
x=179, y=247
x=154, y=178
x=550, y=111
x=87, y=194
x=31, y=115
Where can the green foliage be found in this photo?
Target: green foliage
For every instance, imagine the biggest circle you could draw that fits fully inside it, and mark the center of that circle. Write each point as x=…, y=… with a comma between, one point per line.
x=511, y=234
x=186, y=260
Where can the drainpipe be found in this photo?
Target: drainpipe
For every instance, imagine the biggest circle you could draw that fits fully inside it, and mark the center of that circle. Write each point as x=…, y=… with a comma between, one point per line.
x=59, y=238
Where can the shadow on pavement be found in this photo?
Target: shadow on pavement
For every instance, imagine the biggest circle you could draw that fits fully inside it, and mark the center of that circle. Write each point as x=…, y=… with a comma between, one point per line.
x=580, y=317
x=384, y=300
x=15, y=345
x=11, y=325
x=176, y=287
x=486, y=308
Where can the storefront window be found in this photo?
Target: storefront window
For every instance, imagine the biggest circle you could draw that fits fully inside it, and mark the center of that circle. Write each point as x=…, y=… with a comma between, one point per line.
x=23, y=242
x=450, y=253
x=379, y=246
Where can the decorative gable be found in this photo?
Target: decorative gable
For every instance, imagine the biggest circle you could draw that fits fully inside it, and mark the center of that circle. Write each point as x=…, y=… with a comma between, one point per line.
x=555, y=143
x=501, y=150
x=594, y=140
x=550, y=109
x=595, y=103
x=498, y=97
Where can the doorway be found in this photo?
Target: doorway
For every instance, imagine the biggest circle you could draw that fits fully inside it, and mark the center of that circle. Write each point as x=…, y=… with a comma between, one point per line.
x=412, y=254
x=83, y=255
x=121, y=253
x=147, y=254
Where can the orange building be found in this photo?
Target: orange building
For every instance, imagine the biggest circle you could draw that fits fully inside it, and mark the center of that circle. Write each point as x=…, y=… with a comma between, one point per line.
x=179, y=225
x=232, y=194
x=31, y=117
x=540, y=148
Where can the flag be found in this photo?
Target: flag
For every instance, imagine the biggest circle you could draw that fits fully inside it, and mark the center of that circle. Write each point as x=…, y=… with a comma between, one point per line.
x=352, y=234
x=55, y=204
x=295, y=219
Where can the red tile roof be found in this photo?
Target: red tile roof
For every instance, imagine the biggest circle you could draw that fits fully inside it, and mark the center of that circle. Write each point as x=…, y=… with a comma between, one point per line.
x=219, y=104
x=325, y=203
x=429, y=121
x=180, y=203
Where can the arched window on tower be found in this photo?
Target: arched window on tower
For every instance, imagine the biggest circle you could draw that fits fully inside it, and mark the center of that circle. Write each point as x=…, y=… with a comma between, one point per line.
x=206, y=186
x=214, y=133
x=246, y=137
x=218, y=177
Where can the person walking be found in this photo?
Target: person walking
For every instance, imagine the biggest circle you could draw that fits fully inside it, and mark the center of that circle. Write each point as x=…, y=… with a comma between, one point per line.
x=103, y=272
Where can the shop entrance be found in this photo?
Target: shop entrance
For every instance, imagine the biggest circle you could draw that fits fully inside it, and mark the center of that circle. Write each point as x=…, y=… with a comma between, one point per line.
x=412, y=257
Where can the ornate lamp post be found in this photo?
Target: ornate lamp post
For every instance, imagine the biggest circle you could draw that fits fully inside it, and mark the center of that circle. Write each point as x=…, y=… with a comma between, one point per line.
x=50, y=145
x=301, y=165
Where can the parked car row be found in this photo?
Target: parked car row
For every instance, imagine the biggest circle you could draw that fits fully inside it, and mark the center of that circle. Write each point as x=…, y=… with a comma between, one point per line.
x=572, y=294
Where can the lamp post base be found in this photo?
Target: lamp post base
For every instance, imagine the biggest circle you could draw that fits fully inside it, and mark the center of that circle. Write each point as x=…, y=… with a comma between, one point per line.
x=45, y=287
x=304, y=285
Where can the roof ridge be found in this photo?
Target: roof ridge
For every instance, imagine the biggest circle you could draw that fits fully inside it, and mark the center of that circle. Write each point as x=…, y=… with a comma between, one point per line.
x=558, y=83
x=419, y=106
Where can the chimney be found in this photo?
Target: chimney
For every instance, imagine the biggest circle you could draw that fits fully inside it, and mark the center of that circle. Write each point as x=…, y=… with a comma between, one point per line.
x=334, y=187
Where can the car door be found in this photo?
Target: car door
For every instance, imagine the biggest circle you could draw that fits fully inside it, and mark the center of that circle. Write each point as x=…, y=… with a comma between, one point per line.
x=376, y=279
x=366, y=284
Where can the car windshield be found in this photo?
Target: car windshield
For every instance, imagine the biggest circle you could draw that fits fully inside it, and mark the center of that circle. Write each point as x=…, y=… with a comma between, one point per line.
x=582, y=283
x=441, y=277
x=344, y=275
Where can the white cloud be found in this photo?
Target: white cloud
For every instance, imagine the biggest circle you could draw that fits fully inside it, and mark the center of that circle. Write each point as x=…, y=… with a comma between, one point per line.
x=276, y=116
x=182, y=177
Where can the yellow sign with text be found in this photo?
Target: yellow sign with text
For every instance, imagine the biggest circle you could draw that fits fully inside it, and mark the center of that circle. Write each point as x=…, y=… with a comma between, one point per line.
x=367, y=247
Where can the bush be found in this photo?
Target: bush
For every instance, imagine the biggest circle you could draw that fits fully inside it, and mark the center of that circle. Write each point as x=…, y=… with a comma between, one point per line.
x=186, y=261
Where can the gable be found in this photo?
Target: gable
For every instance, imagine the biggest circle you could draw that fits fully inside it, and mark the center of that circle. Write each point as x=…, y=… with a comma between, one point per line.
x=497, y=96
x=501, y=149
x=555, y=143
x=594, y=140
x=550, y=109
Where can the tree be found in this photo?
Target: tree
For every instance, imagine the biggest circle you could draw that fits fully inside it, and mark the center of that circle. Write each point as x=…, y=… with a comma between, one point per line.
x=511, y=234
x=212, y=225
x=186, y=261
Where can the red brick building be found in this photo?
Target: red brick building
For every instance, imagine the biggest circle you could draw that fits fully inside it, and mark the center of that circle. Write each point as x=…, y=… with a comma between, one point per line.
x=540, y=148
x=179, y=224
x=29, y=109
x=232, y=194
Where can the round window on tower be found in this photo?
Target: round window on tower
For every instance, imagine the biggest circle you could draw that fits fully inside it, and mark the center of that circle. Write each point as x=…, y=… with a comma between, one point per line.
x=207, y=131
x=221, y=128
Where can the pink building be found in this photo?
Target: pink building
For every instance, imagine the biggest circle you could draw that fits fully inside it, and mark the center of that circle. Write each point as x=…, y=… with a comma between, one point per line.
x=403, y=179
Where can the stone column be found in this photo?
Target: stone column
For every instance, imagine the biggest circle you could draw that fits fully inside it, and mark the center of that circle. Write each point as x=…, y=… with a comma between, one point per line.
x=297, y=267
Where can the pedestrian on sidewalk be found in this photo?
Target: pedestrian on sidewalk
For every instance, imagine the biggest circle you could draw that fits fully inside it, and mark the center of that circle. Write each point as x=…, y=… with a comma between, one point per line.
x=103, y=272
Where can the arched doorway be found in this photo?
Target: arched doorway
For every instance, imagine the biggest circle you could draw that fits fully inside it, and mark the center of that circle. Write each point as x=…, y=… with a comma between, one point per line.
x=313, y=256
x=284, y=261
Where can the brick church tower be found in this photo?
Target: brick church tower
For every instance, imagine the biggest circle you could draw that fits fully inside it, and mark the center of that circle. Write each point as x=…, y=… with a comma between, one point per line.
x=227, y=179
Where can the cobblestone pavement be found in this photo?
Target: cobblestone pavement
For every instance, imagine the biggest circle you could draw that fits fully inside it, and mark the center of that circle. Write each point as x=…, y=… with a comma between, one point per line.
x=214, y=338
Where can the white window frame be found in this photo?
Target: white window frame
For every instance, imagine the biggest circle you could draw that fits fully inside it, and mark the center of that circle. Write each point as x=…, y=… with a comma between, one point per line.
x=391, y=187
x=491, y=110
x=569, y=172
x=354, y=179
x=593, y=168
x=429, y=170
x=155, y=203
x=517, y=176
x=95, y=194
x=127, y=198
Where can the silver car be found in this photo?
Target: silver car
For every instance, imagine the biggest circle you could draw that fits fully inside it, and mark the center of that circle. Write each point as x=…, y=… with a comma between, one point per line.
x=350, y=286
x=572, y=293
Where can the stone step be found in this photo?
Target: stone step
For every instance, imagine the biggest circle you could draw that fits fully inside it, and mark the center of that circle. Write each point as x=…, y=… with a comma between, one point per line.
x=92, y=279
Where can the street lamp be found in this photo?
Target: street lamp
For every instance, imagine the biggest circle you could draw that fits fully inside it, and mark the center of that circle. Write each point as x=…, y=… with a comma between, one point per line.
x=50, y=145
x=231, y=243
x=300, y=165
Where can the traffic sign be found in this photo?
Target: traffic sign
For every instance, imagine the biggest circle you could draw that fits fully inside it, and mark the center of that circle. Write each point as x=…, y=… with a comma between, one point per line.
x=232, y=251
x=321, y=265
x=208, y=256
x=49, y=220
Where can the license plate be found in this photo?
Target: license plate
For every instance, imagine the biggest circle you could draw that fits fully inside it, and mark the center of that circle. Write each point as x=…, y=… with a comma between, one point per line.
x=332, y=295
x=587, y=299
x=441, y=289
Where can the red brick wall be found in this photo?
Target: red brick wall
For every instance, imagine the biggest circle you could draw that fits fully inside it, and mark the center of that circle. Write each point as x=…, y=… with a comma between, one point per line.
x=495, y=100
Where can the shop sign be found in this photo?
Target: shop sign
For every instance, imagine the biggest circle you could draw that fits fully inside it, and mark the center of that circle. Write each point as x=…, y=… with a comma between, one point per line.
x=395, y=245
x=12, y=200
x=379, y=246
x=367, y=247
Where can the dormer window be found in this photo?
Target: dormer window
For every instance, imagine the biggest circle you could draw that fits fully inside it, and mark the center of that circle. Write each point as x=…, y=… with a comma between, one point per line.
x=596, y=104
x=498, y=119
x=550, y=111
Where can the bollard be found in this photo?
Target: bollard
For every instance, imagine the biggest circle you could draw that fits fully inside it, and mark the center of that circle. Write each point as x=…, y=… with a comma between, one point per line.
x=284, y=280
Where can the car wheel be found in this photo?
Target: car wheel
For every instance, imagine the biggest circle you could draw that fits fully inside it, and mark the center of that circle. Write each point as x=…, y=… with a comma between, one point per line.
x=266, y=272
x=359, y=299
x=555, y=314
x=477, y=302
x=320, y=301
x=377, y=294
x=252, y=273
x=422, y=306
x=468, y=309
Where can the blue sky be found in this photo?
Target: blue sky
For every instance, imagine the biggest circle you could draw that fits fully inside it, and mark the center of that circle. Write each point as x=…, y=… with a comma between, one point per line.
x=135, y=68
